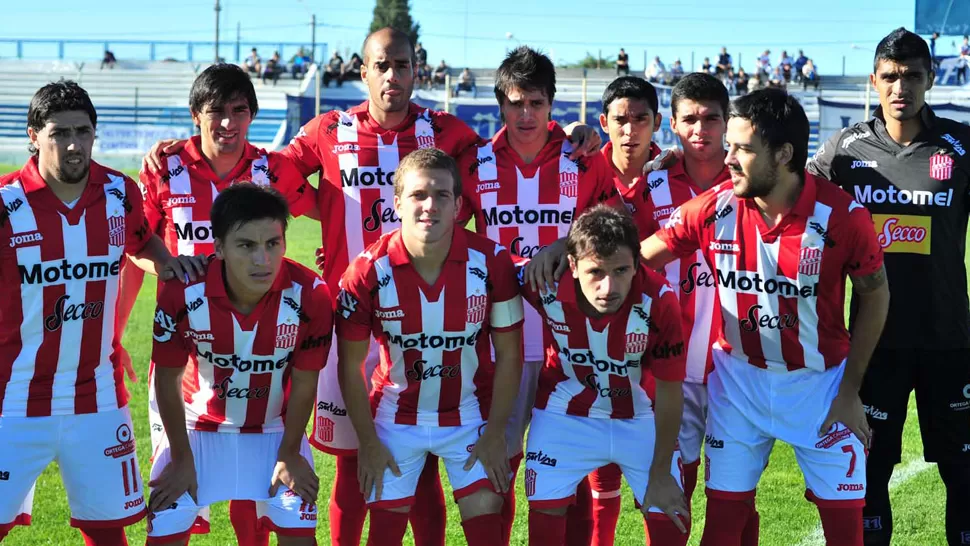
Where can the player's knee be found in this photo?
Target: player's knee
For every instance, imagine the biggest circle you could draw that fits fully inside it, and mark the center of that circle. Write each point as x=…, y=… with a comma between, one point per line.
x=481, y=502
x=559, y=511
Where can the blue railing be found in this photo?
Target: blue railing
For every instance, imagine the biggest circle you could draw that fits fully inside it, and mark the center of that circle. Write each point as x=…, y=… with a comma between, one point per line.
x=149, y=50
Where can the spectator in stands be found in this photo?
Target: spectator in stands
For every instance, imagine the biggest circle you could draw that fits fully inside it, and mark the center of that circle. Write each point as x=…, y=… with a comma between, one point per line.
x=438, y=78
x=253, y=64
x=724, y=62
x=809, y=75
x=706, y=66
x=622, y=63
x=799, y=64
x=421, y=54
x=466, y=82
x=299, y=64
x=936, y=61
x=351, y=70
x=757, y=82
x=676, y=72
x=656, y=72
x=273, y=68
x=741, y=82
x=764, y=63
x=108, y=60
x=963, y=61
x=785, y=58
x=786, y=69
x=423, y=80
x=333, y=71
x=729, y=79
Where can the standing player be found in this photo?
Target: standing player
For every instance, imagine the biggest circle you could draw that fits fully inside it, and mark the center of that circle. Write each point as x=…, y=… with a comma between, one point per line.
x=611, y=320
x=781, y=243
x=523, y=189
x=910, y=169
x=177, y=204
x=66, y=225
x=433, y=296
x=255, y=331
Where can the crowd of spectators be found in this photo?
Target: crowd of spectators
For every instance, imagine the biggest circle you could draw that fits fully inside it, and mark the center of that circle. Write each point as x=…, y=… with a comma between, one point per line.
x=788, y=71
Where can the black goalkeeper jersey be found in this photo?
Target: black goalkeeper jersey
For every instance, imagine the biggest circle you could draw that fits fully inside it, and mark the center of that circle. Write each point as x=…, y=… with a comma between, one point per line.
x=918, y=196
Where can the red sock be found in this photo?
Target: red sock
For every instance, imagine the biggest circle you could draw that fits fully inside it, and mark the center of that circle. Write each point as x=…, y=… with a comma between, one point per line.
x=482, y=530
x=427, y=515
x=115, y=536
x=347, y=506
x=508, y=507
x=579, y=517
x=751, y=529
x=546, y=529
x=725, y=521
x=663, y=531
x=387, y=528
x=4, y=529
x=842, y=525
x=606, y=512
x=242, y=515
x=689, y=474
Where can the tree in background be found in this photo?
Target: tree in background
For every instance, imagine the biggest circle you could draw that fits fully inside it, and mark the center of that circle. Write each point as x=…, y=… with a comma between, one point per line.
x=395, y=14
x=590, y=61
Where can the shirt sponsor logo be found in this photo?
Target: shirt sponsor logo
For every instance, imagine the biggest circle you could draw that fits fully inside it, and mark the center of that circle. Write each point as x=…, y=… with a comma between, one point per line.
x=394, y=313
x=255, y=365
x=941, y=167
x=475, y=307
x=957, y=145
x=903, y=233
x=346, y=148
x=896, y=196
x=199, y=336
x=541, y=458
x=223, y=391
x=286, y=336
x=810, y=261
x=424, y=341
x=487, y=187
x=380, y=214
x=694, y=279
x=194, y=231
x=525, y=251
x=420, y=371
x=755, y=320
x=854, y=137
x=569, y=184
x=59, y=273
x=116, y=230
x=636, y=343
x=724, y=246
x=661, y=212
x=592, y=382
x=25, y=239
x=366, y=176
x=863, y=164
x=746, y=282
x=585, y=357
x=516, y=215
x=180, y=201
x=64, y=312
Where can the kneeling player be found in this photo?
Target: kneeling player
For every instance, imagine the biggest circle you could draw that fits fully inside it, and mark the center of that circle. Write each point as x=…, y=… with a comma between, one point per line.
x=255, y=331
x=610, y=320
x=432, y=295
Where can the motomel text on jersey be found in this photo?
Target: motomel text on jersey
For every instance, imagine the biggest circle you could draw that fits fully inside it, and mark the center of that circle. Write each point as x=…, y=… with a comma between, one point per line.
x=256, y=365
x=194, y=231
x=896, y=196
x=587, y=358
x=424, y=341
x=753, y=282
x=67, y=271
x=507, y=216
x=366, y=176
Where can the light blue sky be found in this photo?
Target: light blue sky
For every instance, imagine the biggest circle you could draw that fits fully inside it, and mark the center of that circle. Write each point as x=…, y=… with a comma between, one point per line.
x=475, y=33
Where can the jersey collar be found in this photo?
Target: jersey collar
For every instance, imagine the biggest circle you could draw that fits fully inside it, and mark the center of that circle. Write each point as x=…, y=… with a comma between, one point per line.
x=215, y=285
x=397, y=253
x=191, y=155
x=556, y=135
x=678, y=171
x=926, y=115
x=32, y=180
x=368, y=122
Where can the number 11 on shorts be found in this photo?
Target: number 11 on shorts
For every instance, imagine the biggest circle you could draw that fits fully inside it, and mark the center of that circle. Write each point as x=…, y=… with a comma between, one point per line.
x=129, y=474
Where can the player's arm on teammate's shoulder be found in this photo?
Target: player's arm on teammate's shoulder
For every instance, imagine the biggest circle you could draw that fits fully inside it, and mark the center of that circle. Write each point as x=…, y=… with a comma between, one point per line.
x=586, y=139
x=667, y=364
x=300, y=195
x=154, y=160
x=679, y=238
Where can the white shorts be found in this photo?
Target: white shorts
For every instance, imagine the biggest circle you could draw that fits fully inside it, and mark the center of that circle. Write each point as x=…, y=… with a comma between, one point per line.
x=522, y=412
x=232, y=466
x=564, y=449
x=751, y=407
x=96, y=456
x=332, y=431
x=693, y=425
x=410, y=446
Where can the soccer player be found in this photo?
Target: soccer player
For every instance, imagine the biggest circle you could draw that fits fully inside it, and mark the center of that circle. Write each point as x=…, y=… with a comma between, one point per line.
x=177, y=204
x=523, y=189
x=910, y=168
x=781, y=243
x=611, y=320
x=255, y=332
x=65, y=228
x=433, y=296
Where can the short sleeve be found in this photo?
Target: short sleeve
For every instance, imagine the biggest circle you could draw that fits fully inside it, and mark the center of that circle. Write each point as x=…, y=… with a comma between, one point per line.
x=292, y=184
x=822, y=163
x=170, y=346
x=666, y=350
x=354, y=306
x=528, y=294
x=599, y=179
x=304, y=150
x=460, y=137
x=154, y=212
x=313, y=346
x=507, y=312
x=865, y=252
x=138, y=232
x=682, y=234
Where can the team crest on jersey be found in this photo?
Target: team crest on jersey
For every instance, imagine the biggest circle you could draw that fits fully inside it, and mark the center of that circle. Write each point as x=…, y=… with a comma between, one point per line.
x=286, y=336
x=116, y=230
x=425, y=141
x=941, y=167
x=476, y=308
x=810, y=261
x=636, y=343
x=569, y=184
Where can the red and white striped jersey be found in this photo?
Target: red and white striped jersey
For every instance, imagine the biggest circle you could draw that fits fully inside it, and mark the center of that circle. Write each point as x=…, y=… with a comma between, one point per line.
x=436, y=365
x=781, y=290
x=239, y=365
x=178, y=202
x=60, y=269
x=601, y=367
x=525, y=207
x=652, y=200
x=636, y=195
x=357, y=159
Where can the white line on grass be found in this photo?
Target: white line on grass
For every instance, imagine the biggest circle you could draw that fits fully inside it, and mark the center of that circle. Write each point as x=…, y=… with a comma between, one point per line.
x=900, y=476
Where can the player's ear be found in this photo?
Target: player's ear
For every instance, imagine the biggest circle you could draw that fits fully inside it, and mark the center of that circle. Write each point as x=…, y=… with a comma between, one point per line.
x=573, y=264
x=33, y=136
x=603, y=125
x=784, y=154
x=658, y=120
x=458, y=202
x=217, y=243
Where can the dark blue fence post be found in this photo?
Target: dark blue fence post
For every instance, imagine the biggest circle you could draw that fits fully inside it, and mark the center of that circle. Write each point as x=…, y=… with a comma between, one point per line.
x=190, y=52
x=60, y=50
x=20, y=49
x=151, y=51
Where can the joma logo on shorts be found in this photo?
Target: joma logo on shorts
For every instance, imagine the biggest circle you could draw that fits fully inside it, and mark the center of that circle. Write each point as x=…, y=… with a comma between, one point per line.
x=134, y=503
x=850, y=487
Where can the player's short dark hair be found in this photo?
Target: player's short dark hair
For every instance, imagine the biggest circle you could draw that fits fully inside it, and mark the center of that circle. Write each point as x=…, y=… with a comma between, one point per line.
x=601, y=231
x=777, y=118
x=426, y=159
x=697, y=87
x=900, y=46
x=219, y=84
x=56, y=97
x=526, y=69
x=247, y=202
x=397, y=36
x=631, y=87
